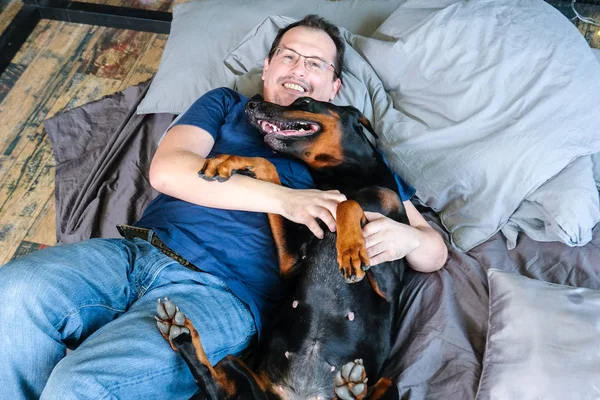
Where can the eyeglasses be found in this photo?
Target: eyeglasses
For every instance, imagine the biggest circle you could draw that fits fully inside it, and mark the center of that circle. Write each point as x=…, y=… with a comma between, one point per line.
x=311, y=64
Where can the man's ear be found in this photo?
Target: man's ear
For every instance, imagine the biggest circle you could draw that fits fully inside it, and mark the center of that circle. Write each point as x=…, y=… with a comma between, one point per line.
x=337, y=85
x=265, y=68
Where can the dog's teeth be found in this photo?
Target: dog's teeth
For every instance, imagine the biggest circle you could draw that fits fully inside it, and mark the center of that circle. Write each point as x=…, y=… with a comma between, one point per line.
x=287, y=354
x=295, y=304
x=351, y=316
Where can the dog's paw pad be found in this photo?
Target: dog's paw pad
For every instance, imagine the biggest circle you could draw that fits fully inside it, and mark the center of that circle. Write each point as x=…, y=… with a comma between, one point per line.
x=351, y=381
x=170, y=321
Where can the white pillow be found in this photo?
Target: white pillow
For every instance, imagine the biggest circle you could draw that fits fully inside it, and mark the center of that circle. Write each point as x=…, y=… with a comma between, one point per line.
x=500, y=97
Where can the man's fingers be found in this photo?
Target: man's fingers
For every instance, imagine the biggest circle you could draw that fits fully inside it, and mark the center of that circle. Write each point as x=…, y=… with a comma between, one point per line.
x=336, y=196
x=371, y=228
x=373, y=216
x=314, y=227
x=381, y=258
x=329, y=220
x=375, y=249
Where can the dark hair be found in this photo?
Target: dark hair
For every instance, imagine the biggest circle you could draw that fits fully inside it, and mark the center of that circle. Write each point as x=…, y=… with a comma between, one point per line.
x=315, y=22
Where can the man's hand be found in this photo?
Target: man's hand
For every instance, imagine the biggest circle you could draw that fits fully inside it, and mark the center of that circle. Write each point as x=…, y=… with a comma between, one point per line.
x=388, y=240
x=304, y=206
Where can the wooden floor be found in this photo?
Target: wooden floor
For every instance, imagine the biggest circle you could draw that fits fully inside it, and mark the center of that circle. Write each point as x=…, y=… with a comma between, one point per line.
x=62, y=66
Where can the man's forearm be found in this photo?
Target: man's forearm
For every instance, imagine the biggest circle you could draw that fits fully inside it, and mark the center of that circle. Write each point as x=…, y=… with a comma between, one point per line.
x=178, y=177
x=431, y=253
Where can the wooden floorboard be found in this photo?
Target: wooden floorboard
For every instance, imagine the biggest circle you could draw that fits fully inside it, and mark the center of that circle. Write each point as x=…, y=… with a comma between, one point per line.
x=61, y=66
x=8, y=10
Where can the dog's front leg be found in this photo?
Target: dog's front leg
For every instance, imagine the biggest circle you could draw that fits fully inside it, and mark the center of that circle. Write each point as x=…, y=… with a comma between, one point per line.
x=352, y=255
x=222, y=167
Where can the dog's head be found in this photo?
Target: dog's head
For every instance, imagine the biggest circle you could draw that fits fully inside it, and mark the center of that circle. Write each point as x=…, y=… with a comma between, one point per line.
x=321, y=134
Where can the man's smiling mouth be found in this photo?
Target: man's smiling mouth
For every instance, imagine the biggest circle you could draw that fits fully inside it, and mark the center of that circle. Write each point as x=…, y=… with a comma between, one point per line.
x=294, y=86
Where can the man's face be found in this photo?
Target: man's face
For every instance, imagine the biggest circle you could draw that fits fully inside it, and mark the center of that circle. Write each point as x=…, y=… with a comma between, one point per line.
x=285, y=82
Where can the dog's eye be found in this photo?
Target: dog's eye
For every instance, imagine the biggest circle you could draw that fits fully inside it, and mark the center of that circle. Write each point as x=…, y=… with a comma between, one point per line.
x=304, y=102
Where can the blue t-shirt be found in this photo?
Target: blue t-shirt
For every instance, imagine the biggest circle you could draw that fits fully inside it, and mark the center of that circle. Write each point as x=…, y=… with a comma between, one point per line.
x=236, y=246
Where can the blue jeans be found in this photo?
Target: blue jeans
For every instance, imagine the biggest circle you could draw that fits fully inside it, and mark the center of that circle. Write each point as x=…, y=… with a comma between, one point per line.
x=99, y=297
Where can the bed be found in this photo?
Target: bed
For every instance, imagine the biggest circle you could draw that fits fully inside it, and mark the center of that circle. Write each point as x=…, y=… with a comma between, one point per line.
x=490, y=109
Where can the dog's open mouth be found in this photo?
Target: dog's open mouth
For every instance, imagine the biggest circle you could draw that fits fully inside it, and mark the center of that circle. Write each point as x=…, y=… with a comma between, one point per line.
x=291, y=128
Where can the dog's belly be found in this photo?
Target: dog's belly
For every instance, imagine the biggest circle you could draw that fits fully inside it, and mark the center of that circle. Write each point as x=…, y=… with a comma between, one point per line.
x=324, y=324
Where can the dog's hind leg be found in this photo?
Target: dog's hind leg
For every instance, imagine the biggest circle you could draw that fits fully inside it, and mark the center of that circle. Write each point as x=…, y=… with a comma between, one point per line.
x=229, y=379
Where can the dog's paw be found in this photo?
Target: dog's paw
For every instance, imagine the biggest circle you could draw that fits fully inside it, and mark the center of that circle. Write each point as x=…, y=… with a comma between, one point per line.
x=222, y=167
x=351, y=381
x=353, y=260
x=170, y=321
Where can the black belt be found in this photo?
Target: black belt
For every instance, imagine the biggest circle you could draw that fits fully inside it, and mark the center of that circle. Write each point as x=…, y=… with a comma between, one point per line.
x=130, y=232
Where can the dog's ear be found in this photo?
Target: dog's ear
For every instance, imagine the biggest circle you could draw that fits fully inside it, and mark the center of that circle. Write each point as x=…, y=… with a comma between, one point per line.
x=364, y=121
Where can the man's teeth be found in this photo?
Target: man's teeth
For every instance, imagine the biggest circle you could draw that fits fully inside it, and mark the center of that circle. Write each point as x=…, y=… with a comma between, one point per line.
x=293, y=86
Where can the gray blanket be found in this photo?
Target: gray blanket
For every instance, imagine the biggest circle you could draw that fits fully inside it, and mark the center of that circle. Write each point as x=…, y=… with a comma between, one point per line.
x=103, y=150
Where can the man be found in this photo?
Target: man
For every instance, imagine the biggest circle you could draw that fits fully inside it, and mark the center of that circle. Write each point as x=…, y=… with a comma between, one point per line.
x=99, y=296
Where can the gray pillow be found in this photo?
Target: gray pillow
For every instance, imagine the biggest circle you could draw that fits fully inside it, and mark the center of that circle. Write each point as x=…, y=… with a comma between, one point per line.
x=543, y=341
x=499, y=98
x=204, y=32
x=596, y=53
x=564, y=209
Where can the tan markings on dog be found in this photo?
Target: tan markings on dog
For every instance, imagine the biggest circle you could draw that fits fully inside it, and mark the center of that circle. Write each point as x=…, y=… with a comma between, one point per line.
x=266, y=384
x=200, y=354
x=325, y=152
x=350, y=242
x=286, y=259
x=380, y=388
x=218, y=374
x=375, y=285
x=364, y=120
x=229, y=386
x=389, y=200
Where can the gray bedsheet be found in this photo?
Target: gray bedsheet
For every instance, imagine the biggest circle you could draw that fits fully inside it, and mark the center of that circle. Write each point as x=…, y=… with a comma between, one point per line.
x=103, y=150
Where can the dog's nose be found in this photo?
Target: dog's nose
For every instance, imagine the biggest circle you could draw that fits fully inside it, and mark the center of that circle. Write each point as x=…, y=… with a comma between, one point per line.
x=252, y=104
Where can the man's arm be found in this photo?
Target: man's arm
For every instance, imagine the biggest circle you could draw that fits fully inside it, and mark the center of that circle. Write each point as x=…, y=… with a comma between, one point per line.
x=388, y=240
x=181, y=154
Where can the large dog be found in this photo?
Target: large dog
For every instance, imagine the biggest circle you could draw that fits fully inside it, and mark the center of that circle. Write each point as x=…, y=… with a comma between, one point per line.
x=334, y=330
